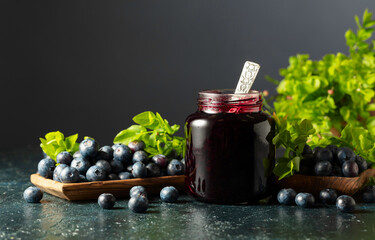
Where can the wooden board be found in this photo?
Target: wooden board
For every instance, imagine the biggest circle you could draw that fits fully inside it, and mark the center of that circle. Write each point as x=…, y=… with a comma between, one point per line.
x=314, y=184
x=92, y=190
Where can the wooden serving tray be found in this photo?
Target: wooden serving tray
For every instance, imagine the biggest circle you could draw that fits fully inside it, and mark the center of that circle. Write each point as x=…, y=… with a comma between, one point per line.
x=314, y=184
x=92, y=190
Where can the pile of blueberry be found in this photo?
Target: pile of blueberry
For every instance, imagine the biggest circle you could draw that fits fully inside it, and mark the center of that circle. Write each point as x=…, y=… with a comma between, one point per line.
x=332, y=161
x=138, y=201
x=344, y=203
x=117, y=162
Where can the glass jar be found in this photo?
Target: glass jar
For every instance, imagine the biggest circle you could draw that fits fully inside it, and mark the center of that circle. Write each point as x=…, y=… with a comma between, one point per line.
x=230, y=155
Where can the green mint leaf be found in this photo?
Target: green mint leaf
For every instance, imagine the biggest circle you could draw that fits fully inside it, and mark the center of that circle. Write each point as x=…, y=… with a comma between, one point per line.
x=130, y=134
x=145, y=119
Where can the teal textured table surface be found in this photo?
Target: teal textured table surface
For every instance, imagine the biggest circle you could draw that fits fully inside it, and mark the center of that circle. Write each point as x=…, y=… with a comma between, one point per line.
x=55, y=218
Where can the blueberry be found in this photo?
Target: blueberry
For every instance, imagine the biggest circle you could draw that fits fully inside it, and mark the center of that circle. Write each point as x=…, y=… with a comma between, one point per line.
x=333, y=149
x=137, y=146
x=139, y=170
x=122, y=154
x=32, y=195
x=362, y=164
x=345, y=203
x=163, y=172
x=316, y=149
x=88, y=148
x=105, y=165
x=106, y=200
x=323, y=168
x=129, y=168
x=140, y=156
x=345, y=154
x=81, y=164
x=95, y=173
x=114, y=146
x=105, y=153
x=69, y=175
x=336, y=171
x=153, y=170
x=307, y=150
x=286, y=196
x=57, y=172
x=137, y=190
x=64, y=157
x=323, y=154
x=46, y=167
x=175, y=167
x=305, y=200
x=82, y=178
x=138, y=204
x=328, y=196
x=307, y=164
x=368, y=195
x=77, y=154
x=113, y=176
x=350, y=169
x=169, y=194
x=116, y=166
x=160, y=160
x=125, y=175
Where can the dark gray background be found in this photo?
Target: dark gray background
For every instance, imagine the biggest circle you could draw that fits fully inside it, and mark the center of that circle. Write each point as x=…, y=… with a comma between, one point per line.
x=88, y=67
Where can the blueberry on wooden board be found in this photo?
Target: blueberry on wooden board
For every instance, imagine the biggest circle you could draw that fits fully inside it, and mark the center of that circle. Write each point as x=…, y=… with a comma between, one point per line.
x=64, y=157
x=350, y=169
x=105, y=153
x=137, y=146
x=345, y=154
x=46, y=167
x=116, y=166
x=123, y=154
x=95, y=173
x=69, y=175
x=175, y=167
x=57, y=172
x=139, y=170
x=81, y=164
x=323, y=168
x=160, y=160
x=153, y=170
x=88, y=148
x=104, y=165
x=125, y=175
x=140, y=156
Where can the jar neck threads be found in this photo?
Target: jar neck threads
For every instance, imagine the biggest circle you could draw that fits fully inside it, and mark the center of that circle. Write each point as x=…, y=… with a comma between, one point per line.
x=225, y=101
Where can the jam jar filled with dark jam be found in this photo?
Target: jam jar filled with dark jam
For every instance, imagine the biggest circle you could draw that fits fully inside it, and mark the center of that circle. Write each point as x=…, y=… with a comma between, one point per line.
x=230, y=155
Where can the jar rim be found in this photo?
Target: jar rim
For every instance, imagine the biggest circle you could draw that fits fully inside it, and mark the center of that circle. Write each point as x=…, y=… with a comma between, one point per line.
x=228, y=93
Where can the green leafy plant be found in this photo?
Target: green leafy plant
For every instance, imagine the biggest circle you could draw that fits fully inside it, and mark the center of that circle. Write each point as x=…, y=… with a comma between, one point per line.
x=55, y=142
x=336, y=92
x=156, y=132
x=293, y=138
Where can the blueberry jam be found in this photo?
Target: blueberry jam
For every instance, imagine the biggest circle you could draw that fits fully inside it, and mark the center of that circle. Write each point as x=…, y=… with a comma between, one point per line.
x=229, y=154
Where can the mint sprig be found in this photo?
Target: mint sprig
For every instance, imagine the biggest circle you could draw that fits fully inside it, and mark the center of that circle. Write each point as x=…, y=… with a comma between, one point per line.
x=293, y=138
x=335, y=91
x=155, y=132
x=54, y=143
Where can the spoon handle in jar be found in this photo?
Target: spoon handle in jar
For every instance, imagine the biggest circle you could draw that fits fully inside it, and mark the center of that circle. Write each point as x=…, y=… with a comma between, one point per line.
x=247, y=78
